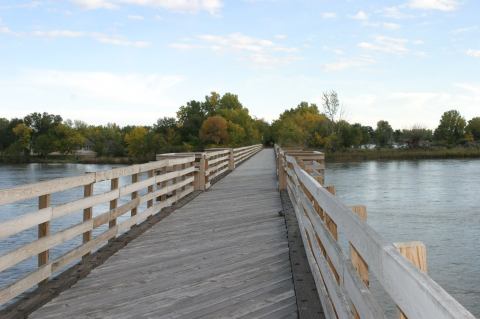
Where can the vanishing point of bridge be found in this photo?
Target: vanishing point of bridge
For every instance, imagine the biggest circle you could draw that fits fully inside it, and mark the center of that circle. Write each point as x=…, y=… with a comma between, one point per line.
x=176, y=238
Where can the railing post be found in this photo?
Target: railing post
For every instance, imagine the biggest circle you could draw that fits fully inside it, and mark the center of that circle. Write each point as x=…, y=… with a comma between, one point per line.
x=113, y=204
x=87, y=215
x=332, y=227
x=282, y=175
x=231, y=160
x=416, y=253
x=151, y=173
x=43, y=231
x=134, y=194
x=200, y=174
x=358, y=263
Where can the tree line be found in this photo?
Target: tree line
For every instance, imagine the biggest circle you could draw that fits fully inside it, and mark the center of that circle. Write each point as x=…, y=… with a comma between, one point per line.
x=216, y=121
x=224, y=121
x=305, y=125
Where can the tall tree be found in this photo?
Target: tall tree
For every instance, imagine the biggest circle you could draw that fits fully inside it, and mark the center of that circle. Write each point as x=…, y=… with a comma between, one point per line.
x=214, y=130
x=331, y=105
x=473, y=128
x=451, y=128
x=383, y=134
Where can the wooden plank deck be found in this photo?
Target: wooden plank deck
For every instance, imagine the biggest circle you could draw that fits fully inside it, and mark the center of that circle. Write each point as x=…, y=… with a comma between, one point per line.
x=223, y=255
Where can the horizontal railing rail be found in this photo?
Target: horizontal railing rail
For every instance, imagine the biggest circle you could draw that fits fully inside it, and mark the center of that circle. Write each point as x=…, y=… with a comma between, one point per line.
x=342, y=282
x=242, y=153
x=101, y=201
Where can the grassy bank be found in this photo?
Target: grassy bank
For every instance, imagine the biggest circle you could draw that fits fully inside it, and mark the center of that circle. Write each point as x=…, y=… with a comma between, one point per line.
x=396, y=154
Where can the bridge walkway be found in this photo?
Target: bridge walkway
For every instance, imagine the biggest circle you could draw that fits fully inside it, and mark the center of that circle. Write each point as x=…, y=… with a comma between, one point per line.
x=223, y=255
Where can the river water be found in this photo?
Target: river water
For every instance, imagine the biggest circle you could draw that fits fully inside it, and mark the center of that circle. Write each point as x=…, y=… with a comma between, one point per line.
x=434, y=201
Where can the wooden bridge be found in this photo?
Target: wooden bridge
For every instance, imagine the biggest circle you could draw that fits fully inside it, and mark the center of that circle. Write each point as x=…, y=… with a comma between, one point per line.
x=199, y=244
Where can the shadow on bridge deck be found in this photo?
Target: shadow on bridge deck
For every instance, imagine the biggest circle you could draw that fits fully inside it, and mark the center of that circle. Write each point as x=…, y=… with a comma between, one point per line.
x=223, y=255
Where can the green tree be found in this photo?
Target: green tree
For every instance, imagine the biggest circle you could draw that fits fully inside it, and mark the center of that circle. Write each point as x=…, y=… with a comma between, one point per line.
x=23, y=136
x=230, y=101
x=473, y=128
x=190, y=118
x=417, y=136
x=383, y=134
x=105, y=140
x=167, y=128
x=68, y=139
x=137, y=143
x=451, y=128
x=214, y=130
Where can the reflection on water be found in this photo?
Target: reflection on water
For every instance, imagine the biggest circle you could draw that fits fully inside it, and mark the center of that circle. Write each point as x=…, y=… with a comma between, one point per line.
x=12, y=175
x=434, y=201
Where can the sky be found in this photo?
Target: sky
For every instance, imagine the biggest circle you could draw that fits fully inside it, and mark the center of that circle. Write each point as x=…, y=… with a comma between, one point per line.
x=134, y=61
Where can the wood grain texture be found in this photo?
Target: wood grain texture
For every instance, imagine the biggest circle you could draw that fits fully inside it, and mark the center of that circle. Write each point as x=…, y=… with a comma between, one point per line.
x=223, y=255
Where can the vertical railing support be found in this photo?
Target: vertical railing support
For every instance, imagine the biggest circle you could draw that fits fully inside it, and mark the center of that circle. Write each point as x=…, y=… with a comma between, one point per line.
x=134, y=194
x=43, y=231
x=358, y=263
x=200, y=174
x=87, y=215
x=151, y=173
x=113, y=204
x=231, y=160
x=282, y=175
x=416, y=253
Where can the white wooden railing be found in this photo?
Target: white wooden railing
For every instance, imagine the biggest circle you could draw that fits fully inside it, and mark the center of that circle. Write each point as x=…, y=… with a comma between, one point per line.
x=143, y=190
x=343, y=282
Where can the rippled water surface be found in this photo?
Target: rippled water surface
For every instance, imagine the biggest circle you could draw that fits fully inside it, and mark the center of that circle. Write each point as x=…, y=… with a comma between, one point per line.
x=434, y=201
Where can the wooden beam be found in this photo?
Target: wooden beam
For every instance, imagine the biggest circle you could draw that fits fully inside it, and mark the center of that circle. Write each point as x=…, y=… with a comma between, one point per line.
x=87, y=215
x=43, y=231
x=113, y=203
x=416, y=253
x=134, y=194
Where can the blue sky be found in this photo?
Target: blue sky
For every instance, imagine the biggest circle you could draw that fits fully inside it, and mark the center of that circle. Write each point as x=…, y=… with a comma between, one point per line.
x=133, y=61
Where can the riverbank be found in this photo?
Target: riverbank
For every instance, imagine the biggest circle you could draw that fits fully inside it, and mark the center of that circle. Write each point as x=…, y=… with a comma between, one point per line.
x=396, y=154
x=73, y=159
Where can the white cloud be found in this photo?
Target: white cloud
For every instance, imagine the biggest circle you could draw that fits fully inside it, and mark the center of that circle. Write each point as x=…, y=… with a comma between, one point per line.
x=465, y=29
x=259, y=51
x=59, y=34
x=398, y=106
x=211, y=6
x=95, y=97
x=386, y=44
x=344, y=64
x=136, y=17
x=113, y=87
x=121, y=41
x=4, y=29
x=360, y=15
x=396, y=12
x=473, y=53
x=441, y=5
x=95, y=4
x=281, y=36
x=99, y=37
x=391, y=26
x=183, y=46
x=328, y=15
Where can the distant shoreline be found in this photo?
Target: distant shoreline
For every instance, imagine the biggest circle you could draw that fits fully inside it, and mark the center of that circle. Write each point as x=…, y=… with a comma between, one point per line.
x=72, y=160
x=353, y=155
x=402, y=154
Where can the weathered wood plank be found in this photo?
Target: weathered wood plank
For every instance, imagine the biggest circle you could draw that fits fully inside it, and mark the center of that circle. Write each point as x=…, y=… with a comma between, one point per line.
x=225, y=254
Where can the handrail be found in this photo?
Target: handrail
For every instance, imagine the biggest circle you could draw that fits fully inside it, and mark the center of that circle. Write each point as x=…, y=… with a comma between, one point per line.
x=342, y=283
x=151, y=187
